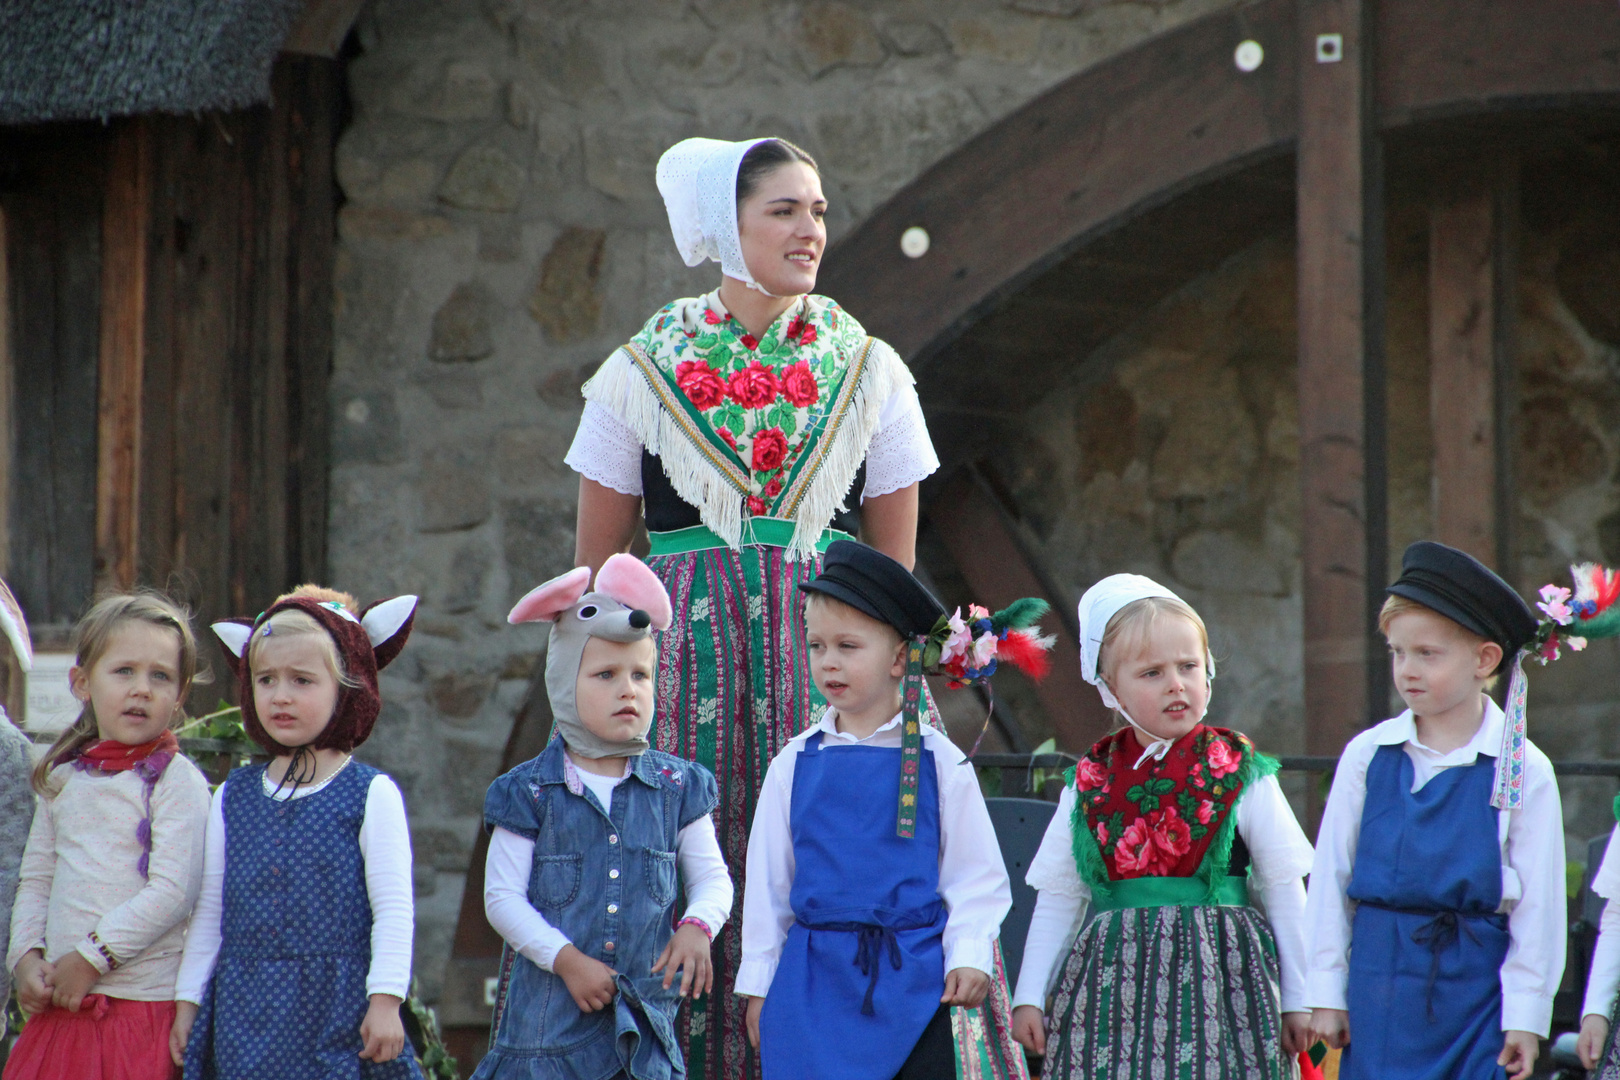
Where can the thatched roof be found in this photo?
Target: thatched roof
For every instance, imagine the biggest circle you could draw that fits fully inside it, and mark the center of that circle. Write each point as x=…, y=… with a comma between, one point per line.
x=91, y=59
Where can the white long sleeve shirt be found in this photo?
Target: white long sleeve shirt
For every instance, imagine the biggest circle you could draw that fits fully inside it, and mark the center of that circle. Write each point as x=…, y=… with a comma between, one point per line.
x=385, y=848
x=507, y=868
x=1532, y=845
x=1604, y=979
x=1279, y=855
x=972, y=878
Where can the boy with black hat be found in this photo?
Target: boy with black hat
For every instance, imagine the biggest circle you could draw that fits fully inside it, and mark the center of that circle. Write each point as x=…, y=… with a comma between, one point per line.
x=1436, y=907
x=875, y=886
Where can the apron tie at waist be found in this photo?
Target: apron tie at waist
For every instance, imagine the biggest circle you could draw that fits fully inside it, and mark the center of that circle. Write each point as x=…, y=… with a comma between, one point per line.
x=869, y=950
x=1439, y=933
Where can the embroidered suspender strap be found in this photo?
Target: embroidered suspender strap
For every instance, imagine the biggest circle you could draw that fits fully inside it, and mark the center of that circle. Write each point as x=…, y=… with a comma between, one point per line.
x=1509, y=791
x=910, y=741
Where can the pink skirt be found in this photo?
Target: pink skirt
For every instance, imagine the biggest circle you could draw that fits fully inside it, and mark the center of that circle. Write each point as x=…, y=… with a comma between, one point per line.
x=107, y=1039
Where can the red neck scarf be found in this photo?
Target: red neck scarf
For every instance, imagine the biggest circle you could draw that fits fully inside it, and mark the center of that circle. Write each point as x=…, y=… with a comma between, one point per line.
x=108, y=756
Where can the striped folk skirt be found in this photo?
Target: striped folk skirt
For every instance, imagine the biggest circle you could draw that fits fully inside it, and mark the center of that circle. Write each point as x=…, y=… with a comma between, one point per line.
x=733, y=687
x=1170, y=993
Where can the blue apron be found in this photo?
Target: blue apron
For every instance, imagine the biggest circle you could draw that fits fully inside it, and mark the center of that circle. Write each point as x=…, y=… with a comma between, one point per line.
x=863, y=967
x=1427, y=944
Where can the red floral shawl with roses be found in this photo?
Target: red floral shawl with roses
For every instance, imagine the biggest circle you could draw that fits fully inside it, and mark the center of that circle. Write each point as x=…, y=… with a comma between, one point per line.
x=1169, y=818
x=749, y=427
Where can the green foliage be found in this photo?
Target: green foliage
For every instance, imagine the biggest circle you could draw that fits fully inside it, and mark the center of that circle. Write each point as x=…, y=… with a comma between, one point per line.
x=225, y=722
x=436, y=1061
x=1039, y=777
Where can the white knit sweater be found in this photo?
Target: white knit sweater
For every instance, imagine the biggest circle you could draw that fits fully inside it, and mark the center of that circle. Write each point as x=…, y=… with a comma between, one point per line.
x=80, y=873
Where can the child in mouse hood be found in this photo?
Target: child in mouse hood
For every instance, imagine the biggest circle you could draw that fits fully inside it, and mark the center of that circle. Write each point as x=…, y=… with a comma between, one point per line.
x=586, y=841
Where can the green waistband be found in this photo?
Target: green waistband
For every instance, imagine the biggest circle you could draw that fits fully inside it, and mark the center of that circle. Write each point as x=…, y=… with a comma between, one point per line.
x=768, y=531
x=1230, y=891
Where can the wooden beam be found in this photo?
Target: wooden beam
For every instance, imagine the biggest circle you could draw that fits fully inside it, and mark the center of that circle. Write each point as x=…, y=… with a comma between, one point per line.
x=1341, y=384
x=1471, y=301
x=321, y=27
x=998, y=570
x=125, y=223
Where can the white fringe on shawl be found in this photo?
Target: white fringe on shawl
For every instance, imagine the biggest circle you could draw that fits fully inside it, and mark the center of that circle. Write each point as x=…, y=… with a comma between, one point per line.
x=620, y=386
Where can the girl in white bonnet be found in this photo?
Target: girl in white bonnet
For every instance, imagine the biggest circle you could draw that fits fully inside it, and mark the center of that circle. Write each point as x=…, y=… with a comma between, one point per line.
x=1166, y=829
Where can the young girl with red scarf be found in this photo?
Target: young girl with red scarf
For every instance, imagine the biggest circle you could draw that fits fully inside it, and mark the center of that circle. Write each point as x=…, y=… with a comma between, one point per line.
x=1169, y=829
x=114, y=858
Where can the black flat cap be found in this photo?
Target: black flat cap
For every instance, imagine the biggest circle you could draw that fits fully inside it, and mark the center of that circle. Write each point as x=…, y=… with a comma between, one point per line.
x=1466, y=591
x=871, y=582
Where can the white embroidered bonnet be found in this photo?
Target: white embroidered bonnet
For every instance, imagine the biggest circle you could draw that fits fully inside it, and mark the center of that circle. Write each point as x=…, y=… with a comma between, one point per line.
x=698, y=180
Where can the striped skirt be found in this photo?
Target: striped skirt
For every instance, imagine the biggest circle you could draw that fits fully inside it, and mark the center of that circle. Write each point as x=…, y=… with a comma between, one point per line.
x=733, y=687
x=1170, y=993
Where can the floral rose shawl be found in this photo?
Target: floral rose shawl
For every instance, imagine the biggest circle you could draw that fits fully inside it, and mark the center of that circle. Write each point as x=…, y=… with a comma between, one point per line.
x=748, y=427
x=1170, y=818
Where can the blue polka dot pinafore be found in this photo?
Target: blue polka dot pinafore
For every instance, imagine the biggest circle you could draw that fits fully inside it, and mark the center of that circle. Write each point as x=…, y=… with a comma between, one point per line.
x=289, y=990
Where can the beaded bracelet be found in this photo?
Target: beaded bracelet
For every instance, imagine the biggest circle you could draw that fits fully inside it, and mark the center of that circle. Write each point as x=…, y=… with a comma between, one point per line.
x=106, y=953
x=699, y=923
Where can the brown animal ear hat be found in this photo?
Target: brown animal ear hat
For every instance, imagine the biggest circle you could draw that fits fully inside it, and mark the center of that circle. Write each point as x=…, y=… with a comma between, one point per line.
x=366, y=643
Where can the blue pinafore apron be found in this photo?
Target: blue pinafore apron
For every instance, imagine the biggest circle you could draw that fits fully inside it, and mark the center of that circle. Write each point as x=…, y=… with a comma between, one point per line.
x=863, y=968
x=1427, y=943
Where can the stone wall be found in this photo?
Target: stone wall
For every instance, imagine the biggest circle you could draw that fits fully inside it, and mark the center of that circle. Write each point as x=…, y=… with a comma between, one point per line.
x=502, y=234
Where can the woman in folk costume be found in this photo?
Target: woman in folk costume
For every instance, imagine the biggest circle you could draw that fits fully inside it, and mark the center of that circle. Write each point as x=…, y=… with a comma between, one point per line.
x=1169, y=829
x=736, y=423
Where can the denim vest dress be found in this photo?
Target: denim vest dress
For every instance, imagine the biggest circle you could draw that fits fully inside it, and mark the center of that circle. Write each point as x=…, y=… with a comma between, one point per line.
x=605, y=877
x=288, y=992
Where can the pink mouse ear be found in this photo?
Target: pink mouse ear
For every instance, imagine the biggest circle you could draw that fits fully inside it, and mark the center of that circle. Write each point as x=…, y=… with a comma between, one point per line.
x=545, y=602
x=628, y=580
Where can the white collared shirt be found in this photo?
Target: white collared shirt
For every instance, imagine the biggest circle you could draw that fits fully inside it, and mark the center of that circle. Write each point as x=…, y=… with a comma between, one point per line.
x=1532, y=844
x=972, y=878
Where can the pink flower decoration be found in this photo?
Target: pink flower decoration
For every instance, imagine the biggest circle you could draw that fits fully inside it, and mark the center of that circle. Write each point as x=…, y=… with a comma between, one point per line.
x=756, y=505
x=1553, y=604
x=712, y=317
x=1222, y=759
x=1089, y=774
x=1206, y=811
x=700, y=383
x=1135, y=854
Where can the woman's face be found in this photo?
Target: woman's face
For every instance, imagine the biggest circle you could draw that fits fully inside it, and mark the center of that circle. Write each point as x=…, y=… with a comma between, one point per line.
x=782, y=231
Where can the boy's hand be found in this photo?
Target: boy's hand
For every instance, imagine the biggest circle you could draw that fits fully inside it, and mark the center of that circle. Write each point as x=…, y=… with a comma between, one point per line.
x=33, y=978
x=1029, y=1028
x=72, y=980
x=1297, y=1036
x=1519, y=1052
x=688, y=953
x=590, y=982
x=1594, y=1033
x=185, y=1014
x=755, y=1005
x=1332, y=1026
x=382, y=1030
x=965, y=986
